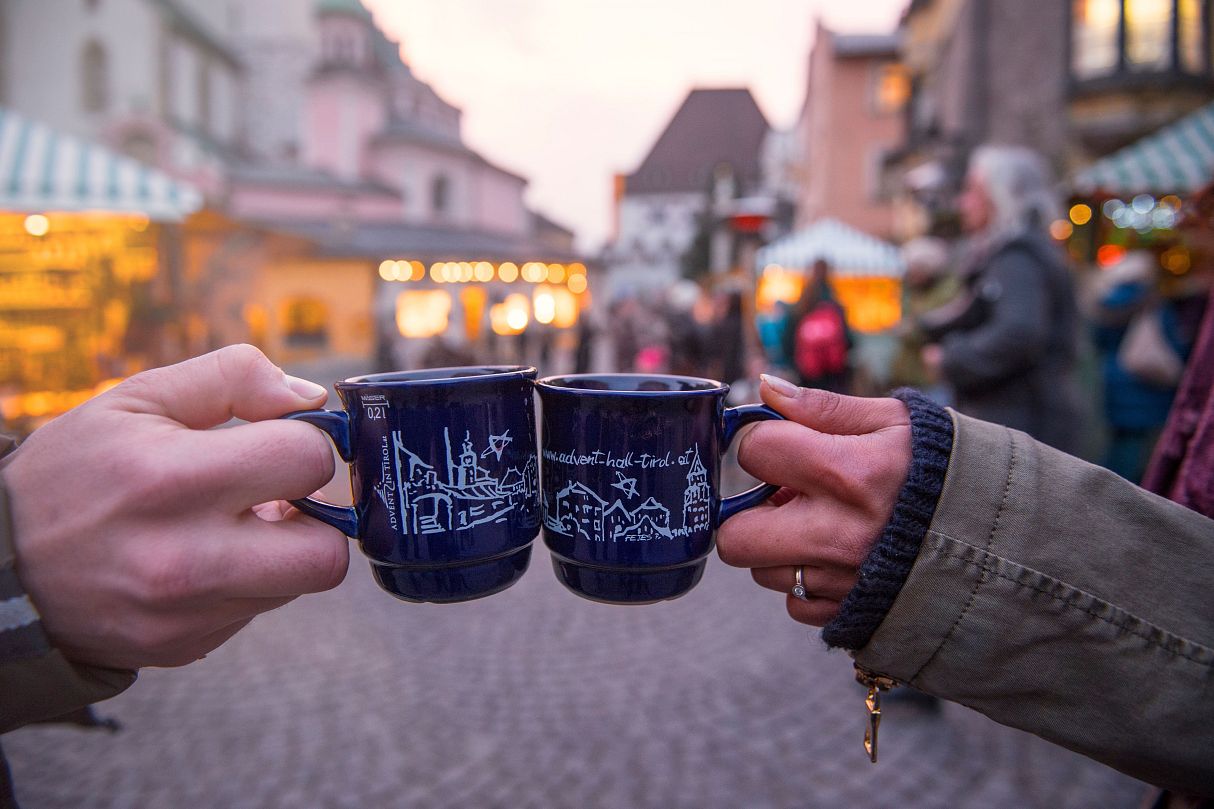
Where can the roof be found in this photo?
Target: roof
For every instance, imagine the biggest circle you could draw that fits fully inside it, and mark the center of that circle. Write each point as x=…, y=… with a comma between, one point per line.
x=397, y=131
x=861, y=45
x=352, y=7
x=851, y=253
x=712, y=126
x=377, y=240
x=42, y=169
x=303, y=177
x=1177, y=158
x=541, y=222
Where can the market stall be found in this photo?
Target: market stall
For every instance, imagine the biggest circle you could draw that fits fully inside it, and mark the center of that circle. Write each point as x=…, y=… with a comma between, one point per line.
x=86, y=288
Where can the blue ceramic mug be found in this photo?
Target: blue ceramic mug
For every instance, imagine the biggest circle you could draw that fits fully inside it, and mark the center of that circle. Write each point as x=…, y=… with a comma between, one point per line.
x=631, y=470
x=443, y=474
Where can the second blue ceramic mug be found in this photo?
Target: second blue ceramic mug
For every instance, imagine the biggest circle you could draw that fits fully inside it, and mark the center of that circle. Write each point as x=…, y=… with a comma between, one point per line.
x=631, y=470
x=443, y=473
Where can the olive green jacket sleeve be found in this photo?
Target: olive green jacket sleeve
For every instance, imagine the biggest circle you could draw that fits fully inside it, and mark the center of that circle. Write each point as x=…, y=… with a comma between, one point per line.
x=1055, y=597
x=36, y=681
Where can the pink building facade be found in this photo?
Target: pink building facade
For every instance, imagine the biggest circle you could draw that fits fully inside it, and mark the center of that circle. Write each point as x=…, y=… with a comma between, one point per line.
x=851, y=121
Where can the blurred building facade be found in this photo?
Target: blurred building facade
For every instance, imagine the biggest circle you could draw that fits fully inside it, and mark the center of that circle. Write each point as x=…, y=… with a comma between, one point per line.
x=1073, y=79
x=344, y=214
x=709, y=155
x=851, y=121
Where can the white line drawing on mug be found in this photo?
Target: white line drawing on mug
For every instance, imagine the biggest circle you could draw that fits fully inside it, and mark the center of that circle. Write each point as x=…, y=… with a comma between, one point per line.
x=580, y=510
x=469, y=495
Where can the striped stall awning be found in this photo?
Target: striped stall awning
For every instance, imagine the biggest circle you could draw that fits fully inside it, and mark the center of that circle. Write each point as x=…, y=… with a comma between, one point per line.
x=1177, y=159
x=44, y=170
x=851, y=253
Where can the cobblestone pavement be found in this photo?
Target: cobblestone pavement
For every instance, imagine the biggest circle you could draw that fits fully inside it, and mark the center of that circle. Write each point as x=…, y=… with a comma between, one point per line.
x=536, y=698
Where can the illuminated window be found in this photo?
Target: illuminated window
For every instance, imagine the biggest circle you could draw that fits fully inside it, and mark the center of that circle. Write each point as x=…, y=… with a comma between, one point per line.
x=305, y=322
x=1094, y=49
x=892, y=88
x=1148, y=34
x=1189, y=36
x=94, y=77
x=1138, y=36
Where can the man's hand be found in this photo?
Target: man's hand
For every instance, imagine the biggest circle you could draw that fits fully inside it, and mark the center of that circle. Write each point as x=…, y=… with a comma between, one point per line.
x=841, y=461
x=135, y=528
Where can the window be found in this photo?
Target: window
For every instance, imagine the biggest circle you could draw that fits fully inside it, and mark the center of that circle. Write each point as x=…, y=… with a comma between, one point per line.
x=440, y=194
x=1148, y=34
x=204, y=95
x=892, y=88
x=1094, y=50
x=1110, y=37
x=305, y=323
x=1188, y=36
x=94, y=77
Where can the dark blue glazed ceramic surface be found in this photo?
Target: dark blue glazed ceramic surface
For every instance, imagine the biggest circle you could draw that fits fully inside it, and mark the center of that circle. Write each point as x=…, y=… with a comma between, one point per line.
x=631, y=480
x=443, y=474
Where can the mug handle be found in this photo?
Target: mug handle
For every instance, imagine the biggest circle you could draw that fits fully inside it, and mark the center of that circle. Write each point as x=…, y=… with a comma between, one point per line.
x=735, y=419
x=336, y=425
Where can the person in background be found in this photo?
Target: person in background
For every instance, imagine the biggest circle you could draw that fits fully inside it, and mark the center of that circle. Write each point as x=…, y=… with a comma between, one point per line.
x=817, y=339
x=1008, y=345
x=927, y=285
x=1140, y=373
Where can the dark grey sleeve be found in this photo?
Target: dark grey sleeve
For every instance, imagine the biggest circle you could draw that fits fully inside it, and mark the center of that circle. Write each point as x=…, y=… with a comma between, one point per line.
x=1015, y=332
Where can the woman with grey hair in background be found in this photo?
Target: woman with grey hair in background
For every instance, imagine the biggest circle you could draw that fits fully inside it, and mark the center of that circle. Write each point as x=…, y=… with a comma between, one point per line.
x=1008, y=347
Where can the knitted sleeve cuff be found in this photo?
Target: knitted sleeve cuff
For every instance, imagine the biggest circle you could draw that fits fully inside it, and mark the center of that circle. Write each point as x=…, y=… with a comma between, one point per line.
x=889, y=563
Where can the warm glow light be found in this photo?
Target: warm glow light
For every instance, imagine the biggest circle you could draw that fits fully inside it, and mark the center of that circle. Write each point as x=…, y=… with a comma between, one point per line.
x=451, y=272
x=37, y=224
x=403, y=271
x=436, y=272
x=534, y=272
x=556, y=273
x=140, y=222
x=1061, y=229
x=1081, y=214
x=577, y=284
x=387, y=270
x=465, y=272
x=1109, y=254
x=544, y=305
x=778, y=285
x=484, y=271
x=422, y=313
x=577, y=268
x=566, y=308
x=1171, y=201
x=1176, y=260
x=418, y=270
x=508, y=272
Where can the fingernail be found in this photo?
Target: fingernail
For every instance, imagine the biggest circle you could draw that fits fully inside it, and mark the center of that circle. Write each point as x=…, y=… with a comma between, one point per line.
x=305, y=388
x=780, y=386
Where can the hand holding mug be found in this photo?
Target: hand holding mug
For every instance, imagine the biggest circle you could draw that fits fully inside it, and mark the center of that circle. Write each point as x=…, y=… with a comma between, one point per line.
x=135, y=526
x=841, y=461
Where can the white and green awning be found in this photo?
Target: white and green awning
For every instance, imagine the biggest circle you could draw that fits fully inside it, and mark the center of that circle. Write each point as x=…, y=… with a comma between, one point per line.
x=851, y=253
x=45, y=170
x=1177, y=159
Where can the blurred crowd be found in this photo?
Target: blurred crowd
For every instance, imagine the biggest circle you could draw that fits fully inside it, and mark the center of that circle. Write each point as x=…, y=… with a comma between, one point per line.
x=997, y=321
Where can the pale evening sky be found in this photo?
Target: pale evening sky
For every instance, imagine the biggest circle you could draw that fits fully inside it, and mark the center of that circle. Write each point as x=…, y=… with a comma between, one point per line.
x=568, y=92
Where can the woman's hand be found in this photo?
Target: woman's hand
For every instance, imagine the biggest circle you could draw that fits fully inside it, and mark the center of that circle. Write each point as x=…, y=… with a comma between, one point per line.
x=841, y=461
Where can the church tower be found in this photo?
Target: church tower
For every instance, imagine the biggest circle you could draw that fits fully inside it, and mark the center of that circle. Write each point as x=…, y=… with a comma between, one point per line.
x=697, y=497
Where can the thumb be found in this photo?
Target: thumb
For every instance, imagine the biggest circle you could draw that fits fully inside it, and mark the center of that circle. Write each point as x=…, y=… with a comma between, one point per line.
x=828, y=412
x=236, y=381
